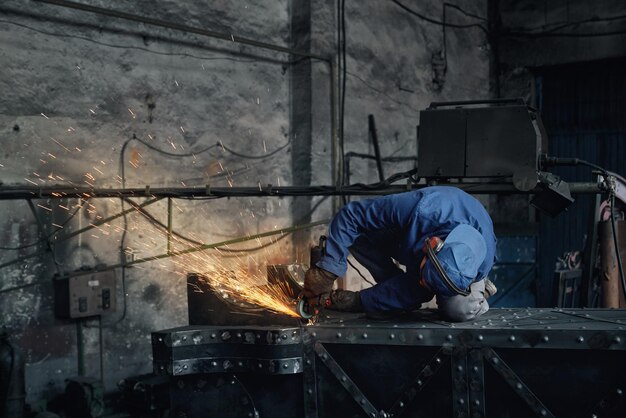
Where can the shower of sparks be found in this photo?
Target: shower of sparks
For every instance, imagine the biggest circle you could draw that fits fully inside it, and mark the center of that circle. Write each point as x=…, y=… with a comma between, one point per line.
x=232, y=279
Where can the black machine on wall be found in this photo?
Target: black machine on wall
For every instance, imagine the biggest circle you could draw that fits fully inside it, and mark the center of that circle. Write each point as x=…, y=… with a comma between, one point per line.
x=490, y=139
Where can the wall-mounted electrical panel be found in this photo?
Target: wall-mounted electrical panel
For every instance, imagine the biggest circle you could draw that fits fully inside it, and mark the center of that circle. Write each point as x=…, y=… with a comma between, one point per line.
x=82, y=294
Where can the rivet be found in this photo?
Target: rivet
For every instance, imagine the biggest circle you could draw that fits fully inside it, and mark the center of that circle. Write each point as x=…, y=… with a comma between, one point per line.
x=617, y=340
x=420, y=337
x=314, y=334
x=480, y=338
x=362, y=401
x=364, y=335
x=580, y=339
x=438, y=360
x=392, y=336
x=495, y=360
x=476, y=402
x=419, y=382
x=284, y=336
x=619, y=392
x=225, y=335
x=260, y=365
x=185, y=367
x=310, y=391
x=461, y=401
x=214, y=363
x=343, y=379
x=285, y=366
x=459, y=368
x=475, y=369
x=401, y=404
x=519, y=386
x=545, y=338
x=239, y=335
x=184, y=338
x=324, y=356
x=160, y=339
x=258, y=336
x=240, y=363
x=232, y=382
x=449, y=337
x=543, y=412
x=308, y=362
x=512, y=338
x=339, y=335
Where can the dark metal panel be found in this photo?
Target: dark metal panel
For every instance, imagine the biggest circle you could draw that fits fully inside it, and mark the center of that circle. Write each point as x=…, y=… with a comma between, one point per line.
x=501, y=143
x=441, y=143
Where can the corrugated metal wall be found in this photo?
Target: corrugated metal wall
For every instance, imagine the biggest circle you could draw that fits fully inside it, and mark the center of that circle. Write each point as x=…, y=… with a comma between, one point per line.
x=583, y=107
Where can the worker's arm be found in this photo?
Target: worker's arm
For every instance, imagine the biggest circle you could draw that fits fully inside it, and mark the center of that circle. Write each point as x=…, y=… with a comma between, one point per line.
x=397, y=293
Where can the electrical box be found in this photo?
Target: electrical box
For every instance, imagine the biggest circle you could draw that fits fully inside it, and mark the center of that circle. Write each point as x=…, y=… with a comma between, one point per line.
x=82, y=294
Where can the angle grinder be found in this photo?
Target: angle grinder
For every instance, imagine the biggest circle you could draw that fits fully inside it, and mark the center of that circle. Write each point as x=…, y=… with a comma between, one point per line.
x=303, y=307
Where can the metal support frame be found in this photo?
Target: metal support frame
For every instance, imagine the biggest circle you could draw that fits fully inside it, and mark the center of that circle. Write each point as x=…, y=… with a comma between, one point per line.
x=500, y=345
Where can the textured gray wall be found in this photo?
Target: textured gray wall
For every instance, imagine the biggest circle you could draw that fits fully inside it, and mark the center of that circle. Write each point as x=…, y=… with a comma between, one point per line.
x=77, y=86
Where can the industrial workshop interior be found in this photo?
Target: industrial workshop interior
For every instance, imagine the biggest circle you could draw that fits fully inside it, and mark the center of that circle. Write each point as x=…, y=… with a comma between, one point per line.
x=319, y=209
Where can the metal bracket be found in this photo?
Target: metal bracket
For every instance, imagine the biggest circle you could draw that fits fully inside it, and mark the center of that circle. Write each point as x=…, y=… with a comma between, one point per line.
x=516, y=383
x=348, y=383
x=427, y=372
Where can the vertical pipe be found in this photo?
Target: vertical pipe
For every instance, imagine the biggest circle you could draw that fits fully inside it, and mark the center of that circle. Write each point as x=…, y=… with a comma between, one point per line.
x=609, y=274
x=334, y=161
x=374, y=135
x=80, y=348
x=169, y=225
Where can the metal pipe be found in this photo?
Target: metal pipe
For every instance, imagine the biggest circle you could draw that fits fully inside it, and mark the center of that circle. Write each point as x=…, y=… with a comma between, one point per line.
x=611, y=295
x=169, y=225
x=374, y=134
x=179, y=27
x=27, y=192
x=334, y=140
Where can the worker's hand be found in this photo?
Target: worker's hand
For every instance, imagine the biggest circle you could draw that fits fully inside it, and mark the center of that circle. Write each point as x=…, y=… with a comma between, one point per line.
x=345, y=300
x=317, y=282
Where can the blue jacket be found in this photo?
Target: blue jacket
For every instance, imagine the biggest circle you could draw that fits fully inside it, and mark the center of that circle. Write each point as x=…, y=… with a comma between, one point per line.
x=396, y=226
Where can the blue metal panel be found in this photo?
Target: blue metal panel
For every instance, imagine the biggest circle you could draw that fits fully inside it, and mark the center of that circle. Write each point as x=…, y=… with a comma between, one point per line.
x=515, y=271
x=583, y=107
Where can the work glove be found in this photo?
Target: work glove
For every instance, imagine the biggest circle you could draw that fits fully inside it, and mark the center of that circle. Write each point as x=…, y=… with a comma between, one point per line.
x=345, y=301
x=317, y=282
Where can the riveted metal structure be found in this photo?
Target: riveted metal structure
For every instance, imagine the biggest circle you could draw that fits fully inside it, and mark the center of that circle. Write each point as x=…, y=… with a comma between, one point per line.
x=509, y=363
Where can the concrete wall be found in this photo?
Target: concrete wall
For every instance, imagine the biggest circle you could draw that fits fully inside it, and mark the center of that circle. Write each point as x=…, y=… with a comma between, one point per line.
x=77, y=86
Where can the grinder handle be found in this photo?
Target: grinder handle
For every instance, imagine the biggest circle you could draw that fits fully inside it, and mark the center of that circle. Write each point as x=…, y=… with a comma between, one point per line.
x=318, y=251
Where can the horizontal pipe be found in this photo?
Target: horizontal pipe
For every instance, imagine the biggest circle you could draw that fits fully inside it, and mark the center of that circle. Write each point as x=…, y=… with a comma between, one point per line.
x=182, y=28
x=58, y=192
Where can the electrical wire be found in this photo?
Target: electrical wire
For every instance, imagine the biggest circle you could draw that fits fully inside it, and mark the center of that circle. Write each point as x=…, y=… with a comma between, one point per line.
x=359, y=271
x=439, y=22
x=254, y=157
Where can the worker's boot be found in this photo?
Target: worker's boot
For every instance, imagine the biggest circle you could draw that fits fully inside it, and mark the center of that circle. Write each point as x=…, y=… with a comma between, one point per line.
x=345, y=300
x=490, y=289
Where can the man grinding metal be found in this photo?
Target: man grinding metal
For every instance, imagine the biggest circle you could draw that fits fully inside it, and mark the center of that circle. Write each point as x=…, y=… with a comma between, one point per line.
x=441, y=235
